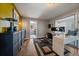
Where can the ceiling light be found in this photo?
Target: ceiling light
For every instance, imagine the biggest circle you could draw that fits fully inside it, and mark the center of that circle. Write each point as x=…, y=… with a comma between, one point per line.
x=50, y=4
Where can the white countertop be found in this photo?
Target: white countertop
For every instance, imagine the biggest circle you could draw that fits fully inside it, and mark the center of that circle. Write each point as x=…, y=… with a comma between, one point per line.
x=70, y=39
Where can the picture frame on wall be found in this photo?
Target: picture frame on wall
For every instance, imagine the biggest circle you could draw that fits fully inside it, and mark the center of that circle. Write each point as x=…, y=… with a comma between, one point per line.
x=49, y=25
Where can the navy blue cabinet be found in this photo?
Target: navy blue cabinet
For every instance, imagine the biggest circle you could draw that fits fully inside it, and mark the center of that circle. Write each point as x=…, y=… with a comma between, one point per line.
x=10, y=43
x=6, y=44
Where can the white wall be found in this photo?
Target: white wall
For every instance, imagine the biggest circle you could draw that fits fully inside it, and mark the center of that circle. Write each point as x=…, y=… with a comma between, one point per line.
x=52, y=21
x=28, y=28
x=42, y=28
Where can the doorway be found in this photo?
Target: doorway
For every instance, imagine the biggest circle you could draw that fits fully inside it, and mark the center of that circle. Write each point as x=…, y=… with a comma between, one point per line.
x=33, y=29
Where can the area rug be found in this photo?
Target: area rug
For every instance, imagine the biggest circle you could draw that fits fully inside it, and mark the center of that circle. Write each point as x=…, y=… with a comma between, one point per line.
x=43, y=48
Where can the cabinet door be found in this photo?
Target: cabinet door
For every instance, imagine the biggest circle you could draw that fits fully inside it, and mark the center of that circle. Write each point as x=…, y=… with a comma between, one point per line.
x=22, y=36
x=15, y=43
x=15, y=48
x=15, y=37
x=6, y=44
x=20, y=40
x=58, y=46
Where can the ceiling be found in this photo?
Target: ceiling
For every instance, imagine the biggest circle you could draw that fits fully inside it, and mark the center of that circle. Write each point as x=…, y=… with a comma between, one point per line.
x=44, y=10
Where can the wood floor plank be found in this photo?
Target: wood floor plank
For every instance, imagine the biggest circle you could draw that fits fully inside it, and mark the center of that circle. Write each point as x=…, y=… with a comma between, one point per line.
x=28, y=49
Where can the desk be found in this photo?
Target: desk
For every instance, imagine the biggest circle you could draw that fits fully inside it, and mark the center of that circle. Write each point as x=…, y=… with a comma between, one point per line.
x=60, y=41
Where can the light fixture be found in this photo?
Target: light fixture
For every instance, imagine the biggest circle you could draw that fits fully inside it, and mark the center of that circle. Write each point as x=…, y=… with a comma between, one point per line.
x=52, y=5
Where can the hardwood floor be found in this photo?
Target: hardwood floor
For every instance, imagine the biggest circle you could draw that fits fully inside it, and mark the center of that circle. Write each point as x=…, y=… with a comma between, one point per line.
x=28, y=49
x=73, y=51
